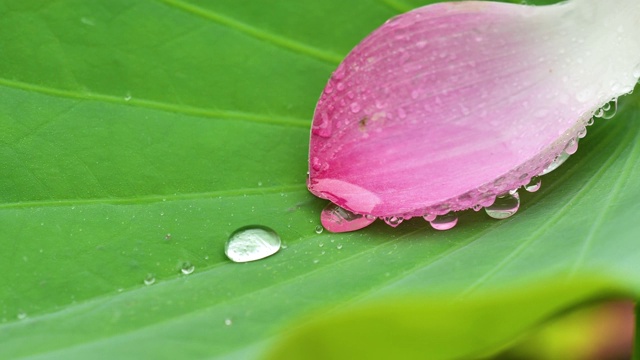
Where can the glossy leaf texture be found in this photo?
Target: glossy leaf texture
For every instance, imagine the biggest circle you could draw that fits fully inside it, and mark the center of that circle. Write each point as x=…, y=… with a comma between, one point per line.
x=137, y=136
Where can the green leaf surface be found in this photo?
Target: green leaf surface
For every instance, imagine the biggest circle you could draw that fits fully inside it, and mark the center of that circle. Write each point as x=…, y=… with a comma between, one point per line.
x=444, y=328
x=136, y=136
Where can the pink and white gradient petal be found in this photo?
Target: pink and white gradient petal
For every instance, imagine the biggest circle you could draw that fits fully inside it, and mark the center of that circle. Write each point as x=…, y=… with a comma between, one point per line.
x=449, y=105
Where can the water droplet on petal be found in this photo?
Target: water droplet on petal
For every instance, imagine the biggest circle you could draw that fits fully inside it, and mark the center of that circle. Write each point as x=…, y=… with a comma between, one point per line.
x=252, y=243
x=337, y=219
x=319, y=229
x=187, y=268
x=559, y=160
x=445, y=222
x=534, y=184
x=355, y=107
x=393, y=221
x=571, y=147
x=610, y=109
x=505, y=206
x=150, y=279
x=430, y=217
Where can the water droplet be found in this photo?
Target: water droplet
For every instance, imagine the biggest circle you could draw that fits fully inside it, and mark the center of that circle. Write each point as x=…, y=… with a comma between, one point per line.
x=315, y=261
x=150, y=279
x=252, y=243
x=167, y=237
x=355, y=107
x=127, y=97
x=339, y=246
x=572, y=147
x=319, y=229
x=610, y=109
x=21, y=315
x=445, y=222
x=559, y=160
x=505, y=206
x=337, y=219
x=430, y=217
x=228, y=322
x=582, y=133
x=534, y=184
x=187, y=268
x=598, y=113
x=393, y=221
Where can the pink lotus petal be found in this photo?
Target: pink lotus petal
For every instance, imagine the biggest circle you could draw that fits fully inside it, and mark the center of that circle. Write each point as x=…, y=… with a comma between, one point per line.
x=447, y=106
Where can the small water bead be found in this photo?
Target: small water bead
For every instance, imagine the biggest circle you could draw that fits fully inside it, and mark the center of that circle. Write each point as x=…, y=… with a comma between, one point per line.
x=559, y=160
x=336, y=219
x=22, y=315
x=445, y=222
x=187, y=268
x=534, y=184
x=319, y=229
x=252, y=243
x=150, y=279
x=355, y=107
x=228, y=322
x=393, y=221
x=339, y=246
x=505, y=206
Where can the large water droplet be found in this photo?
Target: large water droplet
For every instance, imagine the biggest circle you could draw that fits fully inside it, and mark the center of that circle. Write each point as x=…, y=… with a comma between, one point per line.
x=337, y=219
x=393, y=221
x=505, y=206
x=445, y=222
x=534, y=184
x=252, y=243
x=559, y=160
x=187, y=268
x=610, y=109
x=571, y=147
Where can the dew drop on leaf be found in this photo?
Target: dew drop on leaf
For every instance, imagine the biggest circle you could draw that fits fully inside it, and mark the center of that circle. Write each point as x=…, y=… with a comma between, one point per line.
x=187, y=268
x=150, y=279
x=252, y=243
